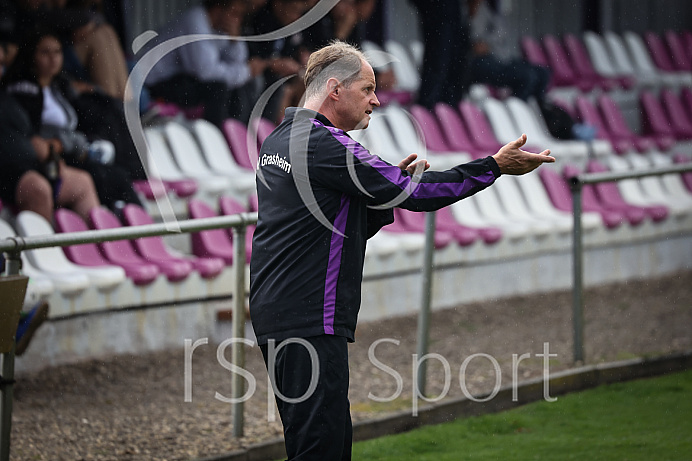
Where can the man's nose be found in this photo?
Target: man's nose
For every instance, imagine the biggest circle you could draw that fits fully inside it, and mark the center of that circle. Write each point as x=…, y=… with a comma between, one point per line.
x=374, y=101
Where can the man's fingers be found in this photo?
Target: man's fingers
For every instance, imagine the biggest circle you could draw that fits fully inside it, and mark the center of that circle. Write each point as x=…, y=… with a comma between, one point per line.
x=403, y=165
x=519, y=142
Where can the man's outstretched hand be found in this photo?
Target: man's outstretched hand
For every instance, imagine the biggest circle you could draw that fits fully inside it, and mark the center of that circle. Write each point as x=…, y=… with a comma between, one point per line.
x=512, y=160
x=409, y=164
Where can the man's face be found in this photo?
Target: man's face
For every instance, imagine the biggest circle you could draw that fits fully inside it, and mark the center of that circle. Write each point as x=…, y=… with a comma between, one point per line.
x=357, y=100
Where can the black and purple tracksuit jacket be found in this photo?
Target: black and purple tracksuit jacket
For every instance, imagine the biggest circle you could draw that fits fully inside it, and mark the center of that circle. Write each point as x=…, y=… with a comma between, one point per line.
x=316, y=188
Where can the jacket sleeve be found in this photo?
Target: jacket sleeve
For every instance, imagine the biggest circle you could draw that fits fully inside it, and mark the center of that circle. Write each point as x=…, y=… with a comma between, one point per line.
x=341, y=162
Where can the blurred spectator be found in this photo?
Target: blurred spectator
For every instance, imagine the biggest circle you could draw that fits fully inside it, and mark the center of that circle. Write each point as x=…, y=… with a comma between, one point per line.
x=284, y=57
x=92, y=48
x=34, y=83
x=492, y=61
x=445, y=31
x=346, y=22
x=216, y=74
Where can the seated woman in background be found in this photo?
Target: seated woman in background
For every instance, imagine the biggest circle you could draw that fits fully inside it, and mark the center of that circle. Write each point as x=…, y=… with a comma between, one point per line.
x=31, y=178
x=33, y=81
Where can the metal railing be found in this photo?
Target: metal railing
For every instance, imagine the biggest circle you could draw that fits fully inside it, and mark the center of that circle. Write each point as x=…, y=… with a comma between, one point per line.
x=13, y=246
x=576, y=185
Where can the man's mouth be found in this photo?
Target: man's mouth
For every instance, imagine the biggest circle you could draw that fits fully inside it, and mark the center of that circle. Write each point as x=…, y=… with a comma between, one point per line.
x=369, y=112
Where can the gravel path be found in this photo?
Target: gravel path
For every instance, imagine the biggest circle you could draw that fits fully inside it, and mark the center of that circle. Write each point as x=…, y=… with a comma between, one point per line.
x=133, y=407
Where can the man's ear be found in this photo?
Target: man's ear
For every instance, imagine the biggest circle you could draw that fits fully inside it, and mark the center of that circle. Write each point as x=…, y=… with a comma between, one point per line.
x=333, y=88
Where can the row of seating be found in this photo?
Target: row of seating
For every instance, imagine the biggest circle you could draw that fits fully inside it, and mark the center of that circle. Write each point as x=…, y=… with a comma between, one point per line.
x=614, y=61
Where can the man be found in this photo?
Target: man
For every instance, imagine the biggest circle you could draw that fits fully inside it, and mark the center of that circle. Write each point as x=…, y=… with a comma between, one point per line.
x=216, y=74
x=315, y=185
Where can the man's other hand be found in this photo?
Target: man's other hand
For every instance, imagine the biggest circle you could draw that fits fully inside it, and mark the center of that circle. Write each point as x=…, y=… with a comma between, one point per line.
x=409, y=164
x=512, y=160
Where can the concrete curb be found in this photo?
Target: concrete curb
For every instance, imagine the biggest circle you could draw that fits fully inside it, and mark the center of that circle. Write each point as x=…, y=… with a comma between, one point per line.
x=560, y=383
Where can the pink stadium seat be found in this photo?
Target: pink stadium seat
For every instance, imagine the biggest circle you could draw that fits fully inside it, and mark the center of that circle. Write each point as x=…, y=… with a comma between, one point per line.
x=464, y=236
x=686, y=177
x=687, y=43
x=609, y=195
x=581, y=63
x=659, y=52
x=680, y=120
x=611, y=217
x=455, y=132
x=615, y=122
x=686, y=96
x=228, y=207
x=479, y=130
x=533, y=52
x=588, y=113
x=122, y=253
x=210, y=243
x=559, y=193
x=563, y=73
x=154, y=249
x=412, y=222
x=236, y=136
x=151, y=189
x=681, y=59
x=445, y=221
x=434, y=139
x=263, y=127
x=88, y=254
x=655, y=120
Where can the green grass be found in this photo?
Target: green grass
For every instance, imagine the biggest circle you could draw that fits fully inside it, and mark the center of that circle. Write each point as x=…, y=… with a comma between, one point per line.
x=644, y=420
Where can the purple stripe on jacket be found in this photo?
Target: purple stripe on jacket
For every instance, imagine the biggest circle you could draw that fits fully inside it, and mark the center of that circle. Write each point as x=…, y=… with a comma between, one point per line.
x=334, y=264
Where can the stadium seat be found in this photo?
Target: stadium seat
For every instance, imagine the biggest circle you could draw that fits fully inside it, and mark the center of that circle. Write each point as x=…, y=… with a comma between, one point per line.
x=210, y=243
x=603, y=62
x=686, y=177
x=263, y=128
x=563, y=73
x=406, y=72
x=411, y=221
x=237, y=138
x=533, y=52
x=618, y=129
x=53, y=260
x=659, y=52
x=654, y=120
x=228, y=206
x=153, y=249
x=463, y=236
x=609, y=195
x=432, y=134
x=681, y=60
x=625, y=64
x=680, y=120
x=188, y=157
x=645, y=65
x=581, y=63
x=162, y=167
x=121, y=252
x=87, y=254
x=219, y=157
x=41, y=285
x=588, y=113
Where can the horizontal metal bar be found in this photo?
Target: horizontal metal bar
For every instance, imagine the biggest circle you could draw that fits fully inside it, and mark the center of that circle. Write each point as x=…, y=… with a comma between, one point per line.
x=593, y=178
x=15, y=244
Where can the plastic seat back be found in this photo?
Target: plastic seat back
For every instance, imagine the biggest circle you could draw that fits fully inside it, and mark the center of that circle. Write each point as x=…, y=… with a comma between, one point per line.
x=655, y=120
x=236, y=136
x=86, y=254
x=659, y=52
x=533, y=52
x=681, y=60
x=618, y=52
x=479, y=130
x=161, y=164
x=563, y=73
x=680, y=120
x=215, y=148
x=119, y=251
x=185, y=150
x=453, y=128
x=640, y=54
x=215, y=242
x=432, y=134
x=406, y=72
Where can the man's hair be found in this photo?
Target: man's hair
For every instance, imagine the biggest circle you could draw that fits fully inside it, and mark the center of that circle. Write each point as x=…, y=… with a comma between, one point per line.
x=338, y=60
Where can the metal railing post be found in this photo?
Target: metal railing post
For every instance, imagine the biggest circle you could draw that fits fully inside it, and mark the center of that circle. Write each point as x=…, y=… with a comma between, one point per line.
x=12, y=266
x=577, y=273
x=238, y=348
x=424, y=314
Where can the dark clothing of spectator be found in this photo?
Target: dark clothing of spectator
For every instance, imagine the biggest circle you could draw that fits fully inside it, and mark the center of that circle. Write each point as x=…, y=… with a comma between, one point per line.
x=445, y=28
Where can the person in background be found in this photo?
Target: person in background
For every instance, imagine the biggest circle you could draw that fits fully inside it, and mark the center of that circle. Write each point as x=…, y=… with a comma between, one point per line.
x=216, y=74
x=34, y=82
x=91, y=46
x=445, y=35
x=284, y=57
x=493, y=62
